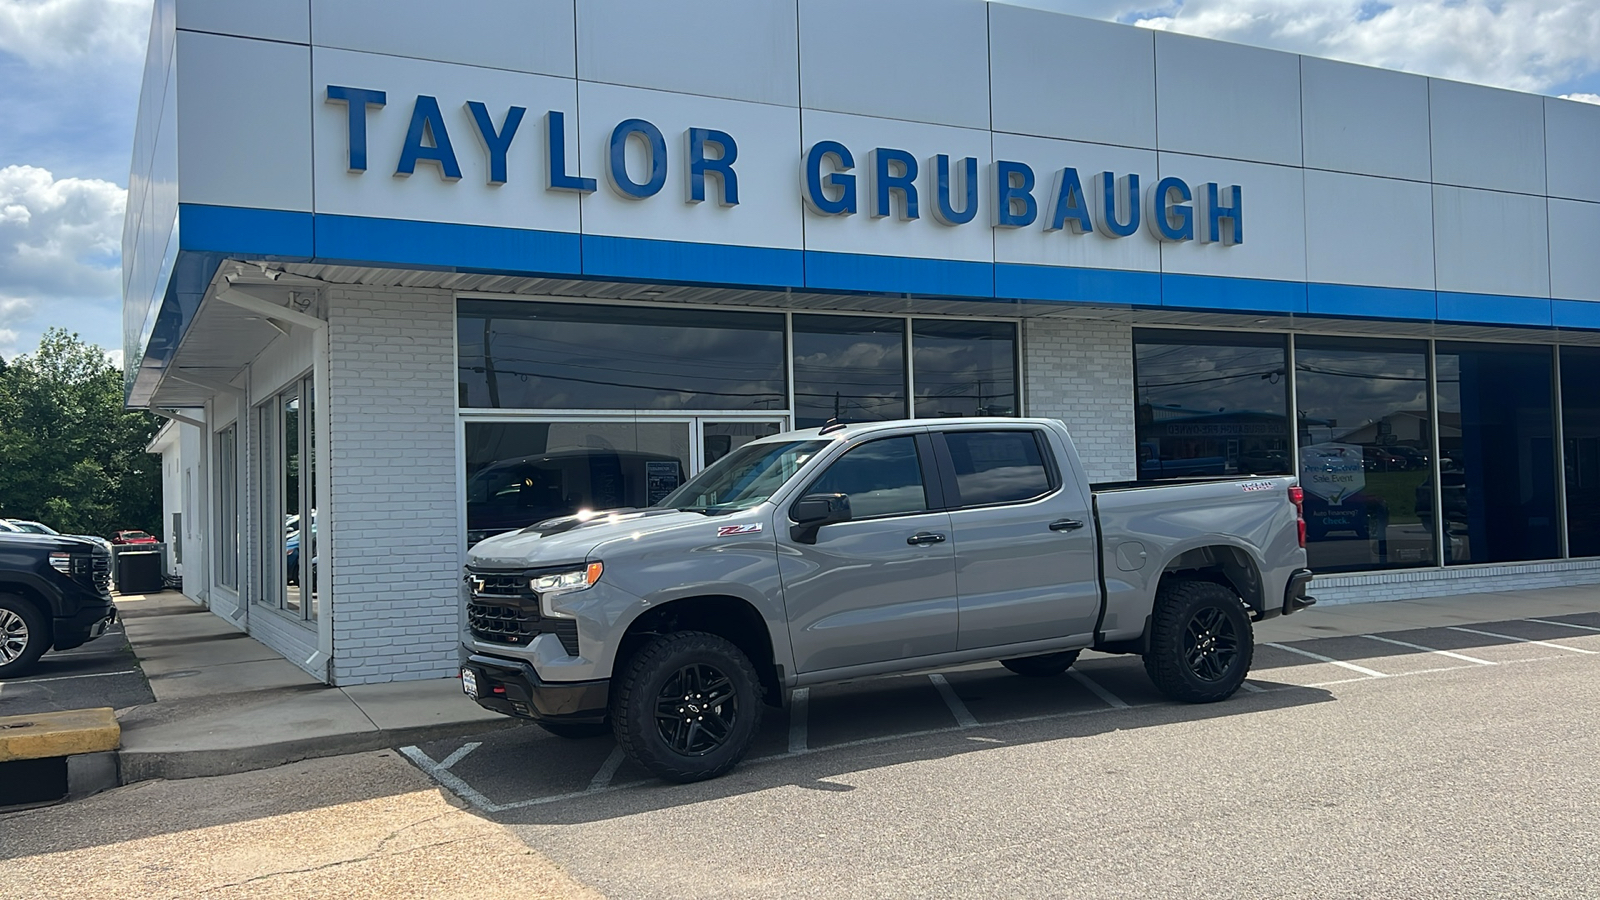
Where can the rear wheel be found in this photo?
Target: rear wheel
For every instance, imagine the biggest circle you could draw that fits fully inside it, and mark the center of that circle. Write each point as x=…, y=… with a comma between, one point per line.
x=24, y=635
x=1047, y=665
x=687, y=706
x=1201, y=644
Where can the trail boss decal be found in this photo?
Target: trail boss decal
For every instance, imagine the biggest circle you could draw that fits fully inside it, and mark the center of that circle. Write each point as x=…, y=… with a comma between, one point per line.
x=735, y=530
x=1252, y=486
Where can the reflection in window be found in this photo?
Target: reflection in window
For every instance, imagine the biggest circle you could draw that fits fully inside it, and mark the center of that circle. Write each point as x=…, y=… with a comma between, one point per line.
x=1497, y=472
x=1580, y=428
x=850, y=368
x=1209, y=403
x=964, y=368
x=516, y=355
x=519, y=473
x=289, y=455
x=1366, y=450
x=882, y=478
x=227, y=503
x=997, y=466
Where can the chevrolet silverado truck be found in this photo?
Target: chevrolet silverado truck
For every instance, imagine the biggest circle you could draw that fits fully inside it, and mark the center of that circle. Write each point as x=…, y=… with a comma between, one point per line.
x=857, y=550
x=55, y=592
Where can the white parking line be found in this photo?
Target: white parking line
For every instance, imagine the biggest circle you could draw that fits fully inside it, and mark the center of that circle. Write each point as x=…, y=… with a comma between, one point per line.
x=1252, y=688
x=1453, y=655
x=957, y=708
x=1370, y=673
x=460, y=754
x=1563, y=624
x=799, y=706
x=602, y=778
x=450, y=779
x=68, y=677
x=1520, y=640
x=1111, y=699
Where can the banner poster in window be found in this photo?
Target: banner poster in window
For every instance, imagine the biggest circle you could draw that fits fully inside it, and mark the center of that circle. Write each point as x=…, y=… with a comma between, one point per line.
x=661, y=478
x=1334, y=476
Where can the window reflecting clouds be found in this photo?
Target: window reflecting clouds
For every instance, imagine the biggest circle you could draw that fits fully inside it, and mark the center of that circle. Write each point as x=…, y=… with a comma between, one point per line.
x=1210, y=403
x=852, y=368
x=965, y=368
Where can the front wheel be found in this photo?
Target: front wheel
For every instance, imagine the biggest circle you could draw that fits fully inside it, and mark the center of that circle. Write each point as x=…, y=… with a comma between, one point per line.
x=1047, y=665
x=24, y=635
x=687, y=706
x=1201, y=644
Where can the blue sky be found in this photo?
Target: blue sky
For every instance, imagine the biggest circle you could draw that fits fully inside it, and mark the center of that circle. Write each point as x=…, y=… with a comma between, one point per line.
x=70, y=69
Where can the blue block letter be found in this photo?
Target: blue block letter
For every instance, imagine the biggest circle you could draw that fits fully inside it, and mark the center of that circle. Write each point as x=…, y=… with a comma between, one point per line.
x=721, y=166
x=427, y=124
x=884, y=160
x=556, y=177
x=617, y=170
x=1014, y=206
x=496, y=144
x=1216, y=214
x=817, y=185
x=1068, y=207
x=1170, y=219
x=943, y=210
x=358, y=100
x=1107, y=223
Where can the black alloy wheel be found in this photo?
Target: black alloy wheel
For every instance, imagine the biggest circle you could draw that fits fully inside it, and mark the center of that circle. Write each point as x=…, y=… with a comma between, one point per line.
x=697, y=710
x=686, y=705
x=1201, y=643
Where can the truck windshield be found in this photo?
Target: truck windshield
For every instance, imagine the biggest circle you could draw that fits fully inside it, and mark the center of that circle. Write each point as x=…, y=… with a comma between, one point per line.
x=743, y=478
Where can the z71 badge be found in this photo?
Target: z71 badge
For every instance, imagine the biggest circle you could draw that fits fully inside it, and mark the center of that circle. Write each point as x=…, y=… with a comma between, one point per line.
x=733, y=530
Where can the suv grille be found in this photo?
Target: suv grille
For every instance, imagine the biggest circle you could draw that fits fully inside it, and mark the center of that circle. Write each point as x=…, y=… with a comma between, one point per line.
x=93, y=571
x=504, y=610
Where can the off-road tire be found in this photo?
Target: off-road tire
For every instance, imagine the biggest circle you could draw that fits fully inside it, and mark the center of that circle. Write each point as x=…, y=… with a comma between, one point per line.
x=576, y=731
x=637, y=694
x=26, y=638
x=1194, y=624
x=1046, y=665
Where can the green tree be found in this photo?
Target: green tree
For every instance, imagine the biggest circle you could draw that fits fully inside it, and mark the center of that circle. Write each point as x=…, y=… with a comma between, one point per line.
x=70, y=455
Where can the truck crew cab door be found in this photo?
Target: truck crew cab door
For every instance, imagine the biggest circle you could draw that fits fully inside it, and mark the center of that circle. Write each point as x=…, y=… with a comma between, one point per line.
x=1024, y=536
x=881, y=586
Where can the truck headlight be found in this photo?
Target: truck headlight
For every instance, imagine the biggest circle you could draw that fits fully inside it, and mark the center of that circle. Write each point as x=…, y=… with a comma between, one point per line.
x=61, y=562
x=567, y=582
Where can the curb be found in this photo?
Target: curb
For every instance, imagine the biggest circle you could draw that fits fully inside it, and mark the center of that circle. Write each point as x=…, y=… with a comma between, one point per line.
x=143, y=765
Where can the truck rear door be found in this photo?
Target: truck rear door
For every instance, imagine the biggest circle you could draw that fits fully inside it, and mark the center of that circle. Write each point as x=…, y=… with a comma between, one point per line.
x=1024, y=537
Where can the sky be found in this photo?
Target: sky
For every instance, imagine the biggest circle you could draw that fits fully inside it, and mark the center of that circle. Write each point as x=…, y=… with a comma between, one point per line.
x=69, y=87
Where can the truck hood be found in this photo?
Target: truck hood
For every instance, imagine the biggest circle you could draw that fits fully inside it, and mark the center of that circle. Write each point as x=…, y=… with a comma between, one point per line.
x=570, y=539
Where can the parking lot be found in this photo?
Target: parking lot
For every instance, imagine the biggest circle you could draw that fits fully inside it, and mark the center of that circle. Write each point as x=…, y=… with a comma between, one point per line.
x=102, y=672
x=525, y=768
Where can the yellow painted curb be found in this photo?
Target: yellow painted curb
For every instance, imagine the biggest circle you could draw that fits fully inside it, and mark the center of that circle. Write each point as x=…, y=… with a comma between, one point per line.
x=69, y=733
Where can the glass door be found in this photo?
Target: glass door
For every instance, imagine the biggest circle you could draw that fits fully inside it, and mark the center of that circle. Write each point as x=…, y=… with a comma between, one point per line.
x=719, y=437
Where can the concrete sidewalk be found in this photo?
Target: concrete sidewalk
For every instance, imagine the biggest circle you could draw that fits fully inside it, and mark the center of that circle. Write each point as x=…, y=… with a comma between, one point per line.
x=227, y=703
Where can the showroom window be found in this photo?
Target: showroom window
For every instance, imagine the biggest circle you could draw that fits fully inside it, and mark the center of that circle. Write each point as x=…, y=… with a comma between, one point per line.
x=227, y=506
x=850, y=368
x=1210, y=403
x=1580, y=427
x=1497, y=463
x=964, y=368
x=289, y=562
x=1366, y=452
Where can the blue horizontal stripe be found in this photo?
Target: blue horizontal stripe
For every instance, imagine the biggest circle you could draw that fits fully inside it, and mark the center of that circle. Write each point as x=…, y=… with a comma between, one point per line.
x=898, y=275
x=1233, y=294
x=448, y=246
x=1370, y=302
x=1074, y=284
x=1494, y=309
x=257, y=233
x=1575, y=313
x=639, y=259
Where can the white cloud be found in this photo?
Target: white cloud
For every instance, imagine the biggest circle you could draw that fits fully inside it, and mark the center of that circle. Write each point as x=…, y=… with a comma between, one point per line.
x=1528, y=45
x=60, y=246
x=65, y=32
x=1582, y=98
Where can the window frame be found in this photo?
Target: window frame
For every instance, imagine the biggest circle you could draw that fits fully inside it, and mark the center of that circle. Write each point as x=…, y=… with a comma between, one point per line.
x=932, y=488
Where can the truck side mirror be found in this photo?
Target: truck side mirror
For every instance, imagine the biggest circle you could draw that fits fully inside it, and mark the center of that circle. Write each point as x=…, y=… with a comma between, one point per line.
x=813, y=511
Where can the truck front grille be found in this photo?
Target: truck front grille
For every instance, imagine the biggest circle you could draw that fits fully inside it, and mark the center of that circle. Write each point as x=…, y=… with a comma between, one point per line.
x=502, y=609
x=93, y=572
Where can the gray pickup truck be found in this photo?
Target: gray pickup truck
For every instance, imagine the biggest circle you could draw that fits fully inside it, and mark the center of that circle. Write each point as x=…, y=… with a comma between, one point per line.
x=857, y=550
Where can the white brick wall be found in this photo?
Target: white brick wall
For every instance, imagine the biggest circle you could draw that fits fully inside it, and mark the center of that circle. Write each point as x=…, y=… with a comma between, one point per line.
x=1415, y=584
x=1081, y=372
x=391, y=402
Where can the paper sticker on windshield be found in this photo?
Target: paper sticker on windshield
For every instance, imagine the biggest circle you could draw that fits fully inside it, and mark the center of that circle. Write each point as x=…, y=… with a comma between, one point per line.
x=734, y=530
x=1249, y=486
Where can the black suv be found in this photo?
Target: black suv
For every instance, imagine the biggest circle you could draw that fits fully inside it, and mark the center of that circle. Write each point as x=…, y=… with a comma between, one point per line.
x=54, y=592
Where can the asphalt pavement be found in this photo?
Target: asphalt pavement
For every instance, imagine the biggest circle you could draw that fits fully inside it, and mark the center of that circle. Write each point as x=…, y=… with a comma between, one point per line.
x=103, y=672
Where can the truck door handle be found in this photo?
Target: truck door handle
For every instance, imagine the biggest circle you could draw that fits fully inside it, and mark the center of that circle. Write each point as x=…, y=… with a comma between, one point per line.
x=1065, y=525
x=925, y=537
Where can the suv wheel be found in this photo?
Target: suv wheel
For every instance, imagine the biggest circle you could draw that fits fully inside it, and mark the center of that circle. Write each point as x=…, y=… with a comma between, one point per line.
x=1047, y=665
x=687, y=706
x=24, y=635
x=1200, y=642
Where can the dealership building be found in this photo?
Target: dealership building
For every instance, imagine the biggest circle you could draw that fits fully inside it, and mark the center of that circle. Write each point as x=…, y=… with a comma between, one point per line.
x=405, y=275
